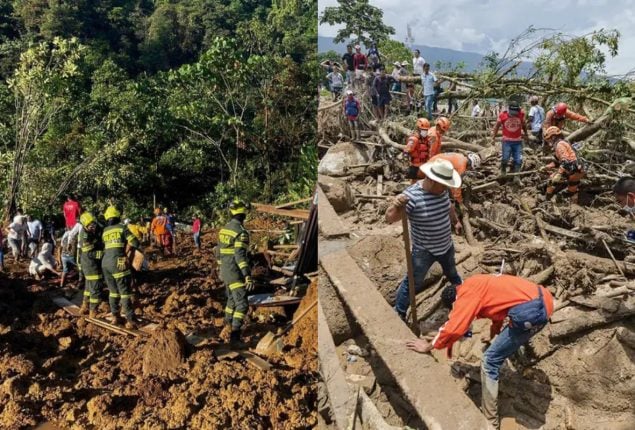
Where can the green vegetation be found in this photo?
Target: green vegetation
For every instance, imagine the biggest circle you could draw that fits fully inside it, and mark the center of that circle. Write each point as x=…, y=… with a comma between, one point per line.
x=362, y=22
x=184, y=102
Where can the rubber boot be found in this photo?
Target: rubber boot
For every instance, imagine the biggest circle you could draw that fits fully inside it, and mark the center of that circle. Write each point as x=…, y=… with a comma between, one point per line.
x=489, y=400
x=115, y=319
x=357, y=132
x=235, y=340
x=516, y=169
x=83, y=310
x=503, y=170
x=225, y=333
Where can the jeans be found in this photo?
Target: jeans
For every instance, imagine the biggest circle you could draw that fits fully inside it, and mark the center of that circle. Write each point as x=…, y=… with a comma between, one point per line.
x=504, y=345
x=422, y=260
x=197, y=239
x=429, y=105
x=513, y=149
x=67, y=261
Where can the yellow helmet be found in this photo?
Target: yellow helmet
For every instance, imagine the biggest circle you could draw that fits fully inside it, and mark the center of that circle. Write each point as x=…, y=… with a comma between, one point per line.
x=86, y=219
x=237, y=207
x=112, y=212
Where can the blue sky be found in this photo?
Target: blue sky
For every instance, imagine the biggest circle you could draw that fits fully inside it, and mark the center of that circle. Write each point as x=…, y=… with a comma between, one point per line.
x=485, y=25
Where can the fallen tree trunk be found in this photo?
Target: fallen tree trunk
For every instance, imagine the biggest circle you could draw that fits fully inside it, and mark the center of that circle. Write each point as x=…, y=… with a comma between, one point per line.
x=589, y=320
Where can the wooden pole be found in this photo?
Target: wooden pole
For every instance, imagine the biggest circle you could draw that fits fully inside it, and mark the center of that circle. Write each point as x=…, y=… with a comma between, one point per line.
x=411, y=273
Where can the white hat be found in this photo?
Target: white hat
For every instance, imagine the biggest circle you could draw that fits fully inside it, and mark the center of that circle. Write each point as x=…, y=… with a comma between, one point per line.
x=349, y=92
x=397, y=63
x=404, y=63
x=441, y=171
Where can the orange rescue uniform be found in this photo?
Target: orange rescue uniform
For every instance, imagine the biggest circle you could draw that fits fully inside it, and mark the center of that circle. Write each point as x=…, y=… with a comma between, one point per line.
x=459, y=162
x=487, y=296
x=568, y=168
x=552, y=119
x=435, y=141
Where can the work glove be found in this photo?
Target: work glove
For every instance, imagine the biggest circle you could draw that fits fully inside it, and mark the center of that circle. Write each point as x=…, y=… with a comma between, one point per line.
x=249, y=283
x=121, y=263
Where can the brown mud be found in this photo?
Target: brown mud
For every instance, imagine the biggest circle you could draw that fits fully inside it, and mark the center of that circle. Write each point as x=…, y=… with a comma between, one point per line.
x=60, y=369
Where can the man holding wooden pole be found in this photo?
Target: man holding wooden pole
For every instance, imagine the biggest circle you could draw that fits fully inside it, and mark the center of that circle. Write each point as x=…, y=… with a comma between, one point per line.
x=431, y=215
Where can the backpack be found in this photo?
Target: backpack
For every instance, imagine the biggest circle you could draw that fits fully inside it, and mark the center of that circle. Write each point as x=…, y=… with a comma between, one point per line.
x=350, y=107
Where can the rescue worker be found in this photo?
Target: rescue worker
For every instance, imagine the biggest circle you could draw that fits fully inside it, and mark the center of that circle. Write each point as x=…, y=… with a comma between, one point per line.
x=235, y=273
x=513, y=123
x=418, y=149
x=569, y=169
x=461, y=164
x=92, y=252
x=557, y=115
x=436, y=133
x=159, y=229
x=527, y=307
x=116, y=266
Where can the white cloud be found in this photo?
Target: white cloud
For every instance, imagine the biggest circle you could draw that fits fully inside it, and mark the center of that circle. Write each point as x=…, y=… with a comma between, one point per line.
x=483, y=26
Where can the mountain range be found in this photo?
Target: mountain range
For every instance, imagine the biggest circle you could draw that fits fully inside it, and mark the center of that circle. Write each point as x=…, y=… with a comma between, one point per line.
x=431, y=54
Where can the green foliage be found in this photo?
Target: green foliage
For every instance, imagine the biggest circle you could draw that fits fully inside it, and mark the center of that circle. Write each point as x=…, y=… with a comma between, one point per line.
x=190, y=103
x=362, y=22
x=393, y=50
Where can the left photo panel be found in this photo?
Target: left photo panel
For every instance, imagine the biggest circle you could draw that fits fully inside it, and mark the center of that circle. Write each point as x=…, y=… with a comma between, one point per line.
x=158, y=220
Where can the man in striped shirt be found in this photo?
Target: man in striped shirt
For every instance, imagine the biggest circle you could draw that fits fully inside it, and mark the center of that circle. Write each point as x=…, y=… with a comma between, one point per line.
x=431, y=215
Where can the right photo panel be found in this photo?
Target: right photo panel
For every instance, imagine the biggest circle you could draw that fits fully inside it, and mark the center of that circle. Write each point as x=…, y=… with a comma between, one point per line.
x=476, y=194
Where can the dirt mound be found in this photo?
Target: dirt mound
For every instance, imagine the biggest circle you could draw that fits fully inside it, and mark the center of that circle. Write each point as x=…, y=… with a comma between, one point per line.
x=303, y=335
x=163, y=353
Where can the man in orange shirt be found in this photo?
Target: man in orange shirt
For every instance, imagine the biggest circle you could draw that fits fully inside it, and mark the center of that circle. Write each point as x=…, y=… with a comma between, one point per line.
x=569, y=169
x=461, y=164
x=557, y=115
x=528, y=307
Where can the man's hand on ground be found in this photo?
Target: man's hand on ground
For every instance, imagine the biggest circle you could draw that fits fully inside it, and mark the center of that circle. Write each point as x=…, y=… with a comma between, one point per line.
x=419, y=345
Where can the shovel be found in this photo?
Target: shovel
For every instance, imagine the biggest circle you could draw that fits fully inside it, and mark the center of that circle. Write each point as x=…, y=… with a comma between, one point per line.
x=272, y=343
x=411, y=276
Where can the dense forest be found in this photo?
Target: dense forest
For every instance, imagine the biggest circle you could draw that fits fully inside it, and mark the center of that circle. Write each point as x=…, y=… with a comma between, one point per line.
x=183, y=103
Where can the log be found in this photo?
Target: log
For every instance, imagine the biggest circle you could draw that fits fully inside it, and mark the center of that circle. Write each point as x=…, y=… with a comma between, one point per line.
x=589, y=320
x=542, y=277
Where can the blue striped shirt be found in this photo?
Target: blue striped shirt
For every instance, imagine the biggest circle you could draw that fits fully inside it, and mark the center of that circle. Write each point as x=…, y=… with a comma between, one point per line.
x=429, y=216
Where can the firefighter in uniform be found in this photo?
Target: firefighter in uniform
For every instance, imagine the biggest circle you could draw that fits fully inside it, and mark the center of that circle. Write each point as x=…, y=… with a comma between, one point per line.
x=418, y=149
x=92, y=251
x=235, y=273
x=116, y=267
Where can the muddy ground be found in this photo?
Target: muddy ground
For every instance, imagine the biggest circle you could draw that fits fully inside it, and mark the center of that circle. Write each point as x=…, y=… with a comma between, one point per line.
x=60, y=369
x=585, y=380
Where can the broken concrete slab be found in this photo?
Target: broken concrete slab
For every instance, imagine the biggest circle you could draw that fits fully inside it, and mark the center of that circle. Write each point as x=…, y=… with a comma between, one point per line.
x=340, y=156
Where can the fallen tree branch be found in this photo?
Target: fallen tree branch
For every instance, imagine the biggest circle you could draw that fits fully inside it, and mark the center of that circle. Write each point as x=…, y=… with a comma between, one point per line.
x=589, y=320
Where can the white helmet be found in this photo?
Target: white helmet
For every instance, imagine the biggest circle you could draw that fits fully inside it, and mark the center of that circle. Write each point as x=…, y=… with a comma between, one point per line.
x=349, y=92
x=475, y=160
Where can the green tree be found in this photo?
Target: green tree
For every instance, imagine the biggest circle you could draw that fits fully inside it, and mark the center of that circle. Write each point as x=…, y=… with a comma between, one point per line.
x=40, y=89
x=393, y=50
x=362, y=22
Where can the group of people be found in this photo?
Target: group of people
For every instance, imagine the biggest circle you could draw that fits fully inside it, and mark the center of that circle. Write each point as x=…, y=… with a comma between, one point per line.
x=431, y=204
x=517, y=307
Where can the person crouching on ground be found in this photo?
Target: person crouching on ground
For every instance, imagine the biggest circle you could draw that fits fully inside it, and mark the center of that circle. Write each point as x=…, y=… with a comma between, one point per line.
x=528, y=307
x=431, y=215
x=43, y=262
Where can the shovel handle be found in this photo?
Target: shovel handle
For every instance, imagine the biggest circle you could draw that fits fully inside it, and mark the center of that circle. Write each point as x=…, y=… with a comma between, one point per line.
x=411, y=274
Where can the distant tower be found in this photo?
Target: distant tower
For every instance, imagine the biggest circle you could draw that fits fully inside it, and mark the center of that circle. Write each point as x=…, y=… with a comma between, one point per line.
x=409, y=39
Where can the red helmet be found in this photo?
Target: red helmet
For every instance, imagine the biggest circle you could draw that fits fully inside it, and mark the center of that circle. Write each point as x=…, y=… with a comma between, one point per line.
x=560, y=109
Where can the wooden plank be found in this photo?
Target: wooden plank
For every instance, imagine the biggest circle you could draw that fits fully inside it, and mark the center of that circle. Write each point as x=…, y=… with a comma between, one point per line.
x=426, y=383
x=562, y=231
x=329, y=223
x=293, y=246
x=380, y=183
x=281, y=270
x=292, y=213
x=340, y=395
x=290, y=204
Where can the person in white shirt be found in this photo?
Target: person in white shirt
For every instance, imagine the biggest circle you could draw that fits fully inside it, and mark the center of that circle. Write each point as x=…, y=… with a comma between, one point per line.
x=16, y=230
x=428, y=80
x=417, y=63
x=34, y=232
x=396, y=72
x=476, y=109
x=43, y=262
x=536, y=118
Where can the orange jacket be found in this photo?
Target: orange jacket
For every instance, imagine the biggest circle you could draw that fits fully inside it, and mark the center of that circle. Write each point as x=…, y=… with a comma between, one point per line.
x=565, y=156
x=418, y=148
x=158, y=225
x=459, y=162
x=435, y=141
x=551, y=119
x=487, y=296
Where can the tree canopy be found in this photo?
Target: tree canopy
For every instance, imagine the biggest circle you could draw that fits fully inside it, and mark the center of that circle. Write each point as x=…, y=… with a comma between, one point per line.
x=363, y=23
x=186, y=103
